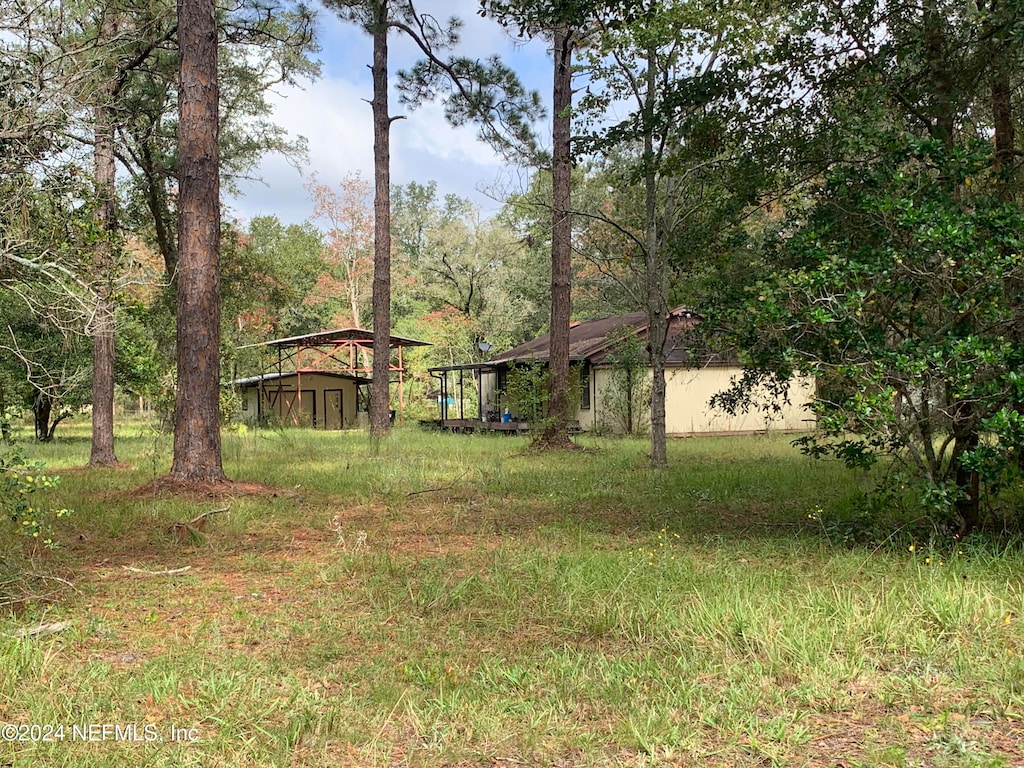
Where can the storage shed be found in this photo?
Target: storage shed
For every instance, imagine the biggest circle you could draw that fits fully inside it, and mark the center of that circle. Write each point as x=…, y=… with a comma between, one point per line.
x=318, y=399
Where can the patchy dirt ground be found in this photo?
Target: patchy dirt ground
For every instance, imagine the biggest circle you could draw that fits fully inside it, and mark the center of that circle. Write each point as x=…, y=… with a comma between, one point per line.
x=338, y=592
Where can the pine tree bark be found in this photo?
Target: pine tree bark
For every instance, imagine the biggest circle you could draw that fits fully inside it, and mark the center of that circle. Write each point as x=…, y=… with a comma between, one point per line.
x=102, y=450
x=656, y=276
x=380, y=393
x=197, y=445
x=556, y=431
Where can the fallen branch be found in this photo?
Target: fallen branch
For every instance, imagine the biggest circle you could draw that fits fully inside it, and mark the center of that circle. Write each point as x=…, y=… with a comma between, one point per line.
x=38, y=630
x=41, y=577
x=25, y=596
x=197, y=521
x=192, y=528
x=448, y=487
x=168, y=572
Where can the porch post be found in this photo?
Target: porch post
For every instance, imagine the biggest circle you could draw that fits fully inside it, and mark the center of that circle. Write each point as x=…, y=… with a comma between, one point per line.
x=280, y=389
x=401, y=382
x=444, y=397
x=462, y=395
x=479, y=375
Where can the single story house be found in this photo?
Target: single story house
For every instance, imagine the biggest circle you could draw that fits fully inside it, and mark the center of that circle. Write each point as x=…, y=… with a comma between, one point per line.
x=319, y=399
x=692, y=376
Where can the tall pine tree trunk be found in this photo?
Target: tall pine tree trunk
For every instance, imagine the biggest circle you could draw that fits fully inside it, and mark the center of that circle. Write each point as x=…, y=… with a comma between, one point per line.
x=102, y=452
x=380, y=394
x=556, y=432
x=656, y=276
x=197, y=446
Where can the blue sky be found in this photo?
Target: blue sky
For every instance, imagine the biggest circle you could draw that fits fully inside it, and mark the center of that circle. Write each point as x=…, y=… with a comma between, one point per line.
x=334, y=116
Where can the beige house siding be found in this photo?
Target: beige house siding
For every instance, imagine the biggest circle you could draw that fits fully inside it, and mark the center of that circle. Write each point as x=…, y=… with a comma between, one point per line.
x=688, y=412
x=326, y=402
x=590, y=417
x=688, y=391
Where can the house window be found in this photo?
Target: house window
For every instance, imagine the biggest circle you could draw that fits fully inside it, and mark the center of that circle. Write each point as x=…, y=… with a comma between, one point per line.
x=584, y=386
x=501, y=380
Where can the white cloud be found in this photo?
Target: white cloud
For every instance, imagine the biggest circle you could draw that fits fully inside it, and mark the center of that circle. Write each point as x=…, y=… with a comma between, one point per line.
x=428, y=131
x=334, y=116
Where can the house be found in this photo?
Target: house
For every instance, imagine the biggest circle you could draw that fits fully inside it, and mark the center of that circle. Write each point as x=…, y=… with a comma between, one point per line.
x=692, y=376
x=318, y=379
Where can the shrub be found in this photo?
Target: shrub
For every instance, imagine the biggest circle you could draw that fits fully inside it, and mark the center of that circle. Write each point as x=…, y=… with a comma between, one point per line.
x=20, y=482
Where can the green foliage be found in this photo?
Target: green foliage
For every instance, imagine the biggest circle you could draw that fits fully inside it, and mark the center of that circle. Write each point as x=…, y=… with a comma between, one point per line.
x=528, y=391
x=269, y=271
x=10, y=417
x=46, y=359
x=138, y=363
x=627, y=395
x=526, y=395
x=902, y=295
x=21, y=481
x=891, y=267
x=262, y=44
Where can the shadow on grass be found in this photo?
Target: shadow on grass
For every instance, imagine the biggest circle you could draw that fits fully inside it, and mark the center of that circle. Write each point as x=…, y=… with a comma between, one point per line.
x=477, y=489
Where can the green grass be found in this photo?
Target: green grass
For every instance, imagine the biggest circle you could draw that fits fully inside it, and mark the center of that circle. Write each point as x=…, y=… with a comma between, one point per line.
x=461, y=600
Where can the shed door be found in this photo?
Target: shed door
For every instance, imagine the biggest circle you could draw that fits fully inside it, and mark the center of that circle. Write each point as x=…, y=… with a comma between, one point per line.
x=332, y=408
x=297, y=409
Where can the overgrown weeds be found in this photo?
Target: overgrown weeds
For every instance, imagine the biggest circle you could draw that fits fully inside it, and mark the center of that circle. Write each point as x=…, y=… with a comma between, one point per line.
x=457, y=601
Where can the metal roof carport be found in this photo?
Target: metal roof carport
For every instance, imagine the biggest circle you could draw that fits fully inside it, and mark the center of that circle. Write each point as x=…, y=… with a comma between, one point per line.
x=325, y=346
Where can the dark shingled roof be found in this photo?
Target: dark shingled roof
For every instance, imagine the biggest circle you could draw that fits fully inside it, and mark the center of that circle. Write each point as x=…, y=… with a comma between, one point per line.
x=588, y=340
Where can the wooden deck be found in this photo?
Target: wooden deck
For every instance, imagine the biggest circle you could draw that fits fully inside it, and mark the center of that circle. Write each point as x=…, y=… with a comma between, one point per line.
x=475, y=425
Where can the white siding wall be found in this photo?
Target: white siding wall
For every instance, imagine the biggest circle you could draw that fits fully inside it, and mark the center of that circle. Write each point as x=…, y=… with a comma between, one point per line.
x=688, y=391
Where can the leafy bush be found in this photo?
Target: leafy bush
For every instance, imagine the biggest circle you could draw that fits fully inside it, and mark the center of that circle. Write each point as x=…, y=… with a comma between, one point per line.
x=627, y=396
x=20, y=482
x=528, y=390
x=900, y=292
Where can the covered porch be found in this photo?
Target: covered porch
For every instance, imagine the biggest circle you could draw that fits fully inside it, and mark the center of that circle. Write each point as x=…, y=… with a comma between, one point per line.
x=454, y=415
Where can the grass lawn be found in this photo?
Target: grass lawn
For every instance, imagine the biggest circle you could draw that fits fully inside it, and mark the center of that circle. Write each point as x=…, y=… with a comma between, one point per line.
x=458, y=600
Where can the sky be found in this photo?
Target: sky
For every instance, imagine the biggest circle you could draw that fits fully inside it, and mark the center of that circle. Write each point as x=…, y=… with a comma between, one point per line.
x=333, y=114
